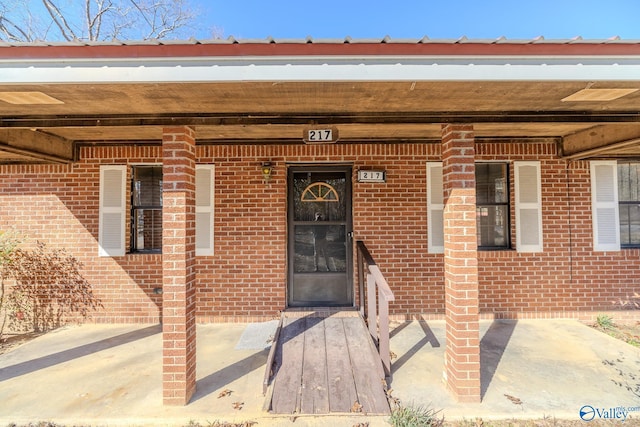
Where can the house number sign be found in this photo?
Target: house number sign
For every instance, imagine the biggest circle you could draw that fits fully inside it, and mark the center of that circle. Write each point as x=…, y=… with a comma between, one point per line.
x=372, y=176
x=320, y=135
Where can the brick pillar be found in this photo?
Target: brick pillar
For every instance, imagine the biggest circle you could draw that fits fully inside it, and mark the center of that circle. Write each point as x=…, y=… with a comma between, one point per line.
x=462, y=355
x=178, y=260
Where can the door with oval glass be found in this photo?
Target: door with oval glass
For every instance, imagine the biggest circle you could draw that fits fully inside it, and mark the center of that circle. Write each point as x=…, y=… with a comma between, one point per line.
x=319, y=220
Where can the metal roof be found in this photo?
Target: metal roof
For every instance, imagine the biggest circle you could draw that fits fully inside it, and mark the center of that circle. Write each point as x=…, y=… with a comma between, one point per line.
x=311, y=40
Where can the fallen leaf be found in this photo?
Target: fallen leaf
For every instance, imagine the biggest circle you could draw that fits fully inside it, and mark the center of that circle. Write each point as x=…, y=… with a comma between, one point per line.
x=392, y=355
x=356, y=407
x=514, y=400
x=224, y=393
x=238, y=405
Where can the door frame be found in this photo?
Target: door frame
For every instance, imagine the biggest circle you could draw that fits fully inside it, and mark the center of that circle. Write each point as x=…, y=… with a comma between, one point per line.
x=347, y=169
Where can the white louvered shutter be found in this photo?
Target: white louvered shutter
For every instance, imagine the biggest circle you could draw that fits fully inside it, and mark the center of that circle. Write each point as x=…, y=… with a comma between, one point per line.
x=528, y=207
x=204, y=209
x=604, y=201
x=111, y=232
x=435, y=208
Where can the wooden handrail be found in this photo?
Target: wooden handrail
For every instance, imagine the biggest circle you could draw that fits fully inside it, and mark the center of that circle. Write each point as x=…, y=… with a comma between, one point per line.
x=377, y=315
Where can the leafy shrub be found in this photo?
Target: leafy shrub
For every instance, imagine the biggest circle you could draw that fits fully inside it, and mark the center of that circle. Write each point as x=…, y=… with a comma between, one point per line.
x=604, y=322
x=9, y=241
x=48, y=288
x=415, y=416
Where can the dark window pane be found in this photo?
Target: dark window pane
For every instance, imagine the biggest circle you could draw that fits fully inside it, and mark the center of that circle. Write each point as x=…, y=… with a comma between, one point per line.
x=147, y=186
x=320, y=248
x=491, y=183
x=629, y=207
x=628, y=182
x=148, y=229
x=492, y=205
x=492, y=226
x=146, y=208
x=630, y=224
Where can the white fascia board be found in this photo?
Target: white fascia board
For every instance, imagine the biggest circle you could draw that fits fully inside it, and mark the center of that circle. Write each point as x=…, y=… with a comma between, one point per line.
x=273, y=69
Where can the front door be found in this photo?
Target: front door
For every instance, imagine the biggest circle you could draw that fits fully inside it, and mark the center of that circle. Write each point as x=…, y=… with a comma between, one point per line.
x=319, y=219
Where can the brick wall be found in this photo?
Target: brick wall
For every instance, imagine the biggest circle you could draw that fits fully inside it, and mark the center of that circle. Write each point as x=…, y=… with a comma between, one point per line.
x=462, y=353
x=245, y=278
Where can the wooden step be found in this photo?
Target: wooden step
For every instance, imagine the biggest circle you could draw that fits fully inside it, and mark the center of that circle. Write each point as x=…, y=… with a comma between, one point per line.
x=325, y=363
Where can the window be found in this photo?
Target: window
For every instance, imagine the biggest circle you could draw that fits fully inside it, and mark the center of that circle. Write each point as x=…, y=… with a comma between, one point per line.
x=615, y=204
x=145, y=205
x=146, y=208
x=629, y=204
x=492, y=205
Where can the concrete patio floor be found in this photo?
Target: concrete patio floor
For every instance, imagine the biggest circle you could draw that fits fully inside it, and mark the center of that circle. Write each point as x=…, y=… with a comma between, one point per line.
x=111, y=375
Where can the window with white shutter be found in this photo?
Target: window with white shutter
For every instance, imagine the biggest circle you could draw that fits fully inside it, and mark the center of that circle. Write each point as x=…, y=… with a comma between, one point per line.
x=112, y=220
x=604, y=201
x=435, y=208
x=528, y=207
x=204, y=209
x=629, y=203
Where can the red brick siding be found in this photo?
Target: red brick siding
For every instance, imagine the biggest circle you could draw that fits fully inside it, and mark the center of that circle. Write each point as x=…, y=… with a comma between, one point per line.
x=246, y=277
x=178, y=266
x=462, y=355
x=58, y=205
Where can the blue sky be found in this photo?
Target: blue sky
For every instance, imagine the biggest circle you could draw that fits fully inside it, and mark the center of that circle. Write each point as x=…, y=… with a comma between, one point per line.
x=515, y=19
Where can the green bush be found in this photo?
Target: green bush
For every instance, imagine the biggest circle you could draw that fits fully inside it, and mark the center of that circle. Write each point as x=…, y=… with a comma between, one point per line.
x=604, y=322
x=415, y=416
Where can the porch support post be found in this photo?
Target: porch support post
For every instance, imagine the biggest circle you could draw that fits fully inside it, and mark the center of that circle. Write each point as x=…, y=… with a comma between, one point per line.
x=462, y=354
x=178, y=266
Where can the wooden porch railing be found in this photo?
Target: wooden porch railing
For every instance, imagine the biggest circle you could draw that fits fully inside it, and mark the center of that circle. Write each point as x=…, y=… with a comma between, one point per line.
x=377, y=317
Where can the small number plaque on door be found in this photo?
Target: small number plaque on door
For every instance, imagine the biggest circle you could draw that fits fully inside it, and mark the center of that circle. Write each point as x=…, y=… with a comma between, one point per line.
x=320, y=135
x=372, y=176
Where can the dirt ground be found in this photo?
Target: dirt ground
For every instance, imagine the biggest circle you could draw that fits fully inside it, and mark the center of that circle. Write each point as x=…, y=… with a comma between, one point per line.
x=10, y=341
x=628, y=332
x=547, y=422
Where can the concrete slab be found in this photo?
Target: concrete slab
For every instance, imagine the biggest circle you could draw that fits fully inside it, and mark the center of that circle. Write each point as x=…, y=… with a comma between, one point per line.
x=529, y=369
x=111, y=375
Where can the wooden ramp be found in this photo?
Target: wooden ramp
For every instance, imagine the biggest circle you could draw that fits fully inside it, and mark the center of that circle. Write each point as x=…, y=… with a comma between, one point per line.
x=325, y=363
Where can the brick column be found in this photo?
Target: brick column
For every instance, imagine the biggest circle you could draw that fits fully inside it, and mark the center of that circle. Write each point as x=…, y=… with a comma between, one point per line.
x=178, y=260
x=462, y=354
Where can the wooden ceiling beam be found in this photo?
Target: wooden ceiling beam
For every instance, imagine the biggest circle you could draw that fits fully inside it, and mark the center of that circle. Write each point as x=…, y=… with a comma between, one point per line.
x=248, y=119
x=37, y=145
x=600, y=139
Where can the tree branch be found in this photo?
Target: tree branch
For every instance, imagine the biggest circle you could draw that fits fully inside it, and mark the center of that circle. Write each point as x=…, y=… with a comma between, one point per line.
x=6, y=24
x=59, y=20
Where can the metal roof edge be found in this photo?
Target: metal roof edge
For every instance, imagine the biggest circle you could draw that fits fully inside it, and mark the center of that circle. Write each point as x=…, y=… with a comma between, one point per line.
x=347, y=47
x=310, y=40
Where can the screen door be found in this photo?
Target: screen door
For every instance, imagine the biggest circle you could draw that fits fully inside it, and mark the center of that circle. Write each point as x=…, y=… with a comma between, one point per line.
x=320, y=253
